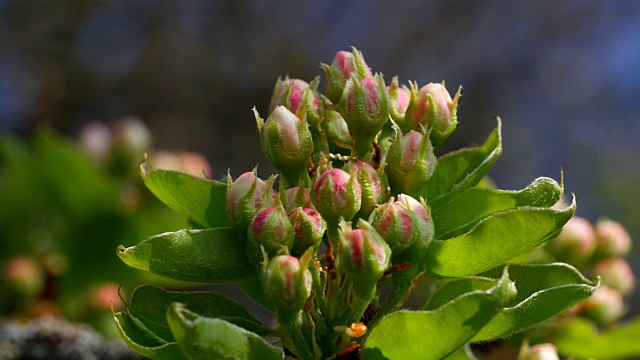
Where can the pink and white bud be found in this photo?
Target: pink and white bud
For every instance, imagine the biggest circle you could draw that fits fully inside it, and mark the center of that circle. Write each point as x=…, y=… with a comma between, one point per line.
x=287, y=283
x=410, y=162
x=245, y=196
x=544, y=351
x=432, y=108
x=617, y=274
x=576, y=242
x=308, y=226
x=271, y=230
x=399, y=98
x=287, y=143
x=95, y=139
x=344, y=65
x=372, y=185
x=364, y=256
x=612, y=239
x=604, y=307
x=296, y=197
x=131, y=137
x=364, y=105
x=288, y=93
x=337, y=194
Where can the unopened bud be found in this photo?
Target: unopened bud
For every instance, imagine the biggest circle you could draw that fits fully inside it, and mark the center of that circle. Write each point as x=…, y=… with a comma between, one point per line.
x=343, y=66
x=617, y=274
x=399, y=98
x=364, y=105
x=336, y=194
x=288, y=93
x=245, y=196
x=309, y=227
x=604, y=307
x=372, y=185
x=364, y=256
x=287, y=143
x=576, y=242
x=410, y=162
x=337, y=132
x=400, y=225
x=95, y=138
x=297, y=197
x=271, y=230
x=287, y=283
x=542, y=352
x=432, y=108
x=612, y=239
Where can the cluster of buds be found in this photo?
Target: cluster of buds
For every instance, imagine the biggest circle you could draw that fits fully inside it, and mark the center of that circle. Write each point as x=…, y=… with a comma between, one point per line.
x=598, y=250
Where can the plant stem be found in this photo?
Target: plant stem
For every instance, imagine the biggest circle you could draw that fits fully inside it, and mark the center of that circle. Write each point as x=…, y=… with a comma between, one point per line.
x=293, y=330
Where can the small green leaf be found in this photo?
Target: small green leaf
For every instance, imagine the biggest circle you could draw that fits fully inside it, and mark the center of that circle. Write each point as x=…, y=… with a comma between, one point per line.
x=436, y=334
x=582, y=340
x=150, y=303
x=139, y=340
x=205, y=338
x=472, y=205
x=495, y=240
x=211, y=255
x=462, y=169
x=200, y=200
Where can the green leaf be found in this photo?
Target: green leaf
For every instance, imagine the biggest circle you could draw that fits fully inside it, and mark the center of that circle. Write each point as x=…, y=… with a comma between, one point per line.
x=458, y=287
x=150, y=303
x=143, y=342
x=582, y=340
x=472, y=205
x=436, y=334
x=495, y=240
x=206, y=338
x=462, y=169
x=544, y=291
x=211, y=255
x=200, y=200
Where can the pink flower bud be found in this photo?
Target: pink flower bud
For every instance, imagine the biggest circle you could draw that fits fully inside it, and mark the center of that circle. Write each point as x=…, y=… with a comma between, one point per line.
x=432, y=108
x=344, y=65
x=287, y=283
x=617, y=274
x=364, y=105
x=403, y=222
x=576, y=242
x=364, y=256
x=297, y=197
x=542, y=352
x=399, y=98
x=337, y=132
x=24, y=277
x=289, y=93
x=604, y=307
x=95, y=138
x=245, y=196
x=612, y=239
x=372, y=185
x=336, y=194
x=287, y=143
x=410, y=162
x=271, y=229
x=131, y=138
x=309, y=227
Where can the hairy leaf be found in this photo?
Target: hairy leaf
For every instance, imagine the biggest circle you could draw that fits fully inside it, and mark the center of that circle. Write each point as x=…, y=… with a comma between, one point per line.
x=472, y=205
x=205, y=338
x=211, y=255
x=462, y=169
x=200, y=200
x=583, y=341
x=438, y=333
x=495, y=240
x=150, y=303
x=140, y=340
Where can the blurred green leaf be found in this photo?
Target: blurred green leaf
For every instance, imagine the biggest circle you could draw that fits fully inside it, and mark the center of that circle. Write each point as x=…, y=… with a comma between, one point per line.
x=437, y=333
x=141, y=341
x=462, y=169
x=200, y=200
x=582, y=340
x=210, y=255
x=495, y=240
x=472, y=205
x=206, y=338
x=150, y=303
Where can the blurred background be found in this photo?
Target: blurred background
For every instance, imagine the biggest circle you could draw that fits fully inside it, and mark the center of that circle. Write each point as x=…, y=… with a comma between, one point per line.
x=563, y=76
